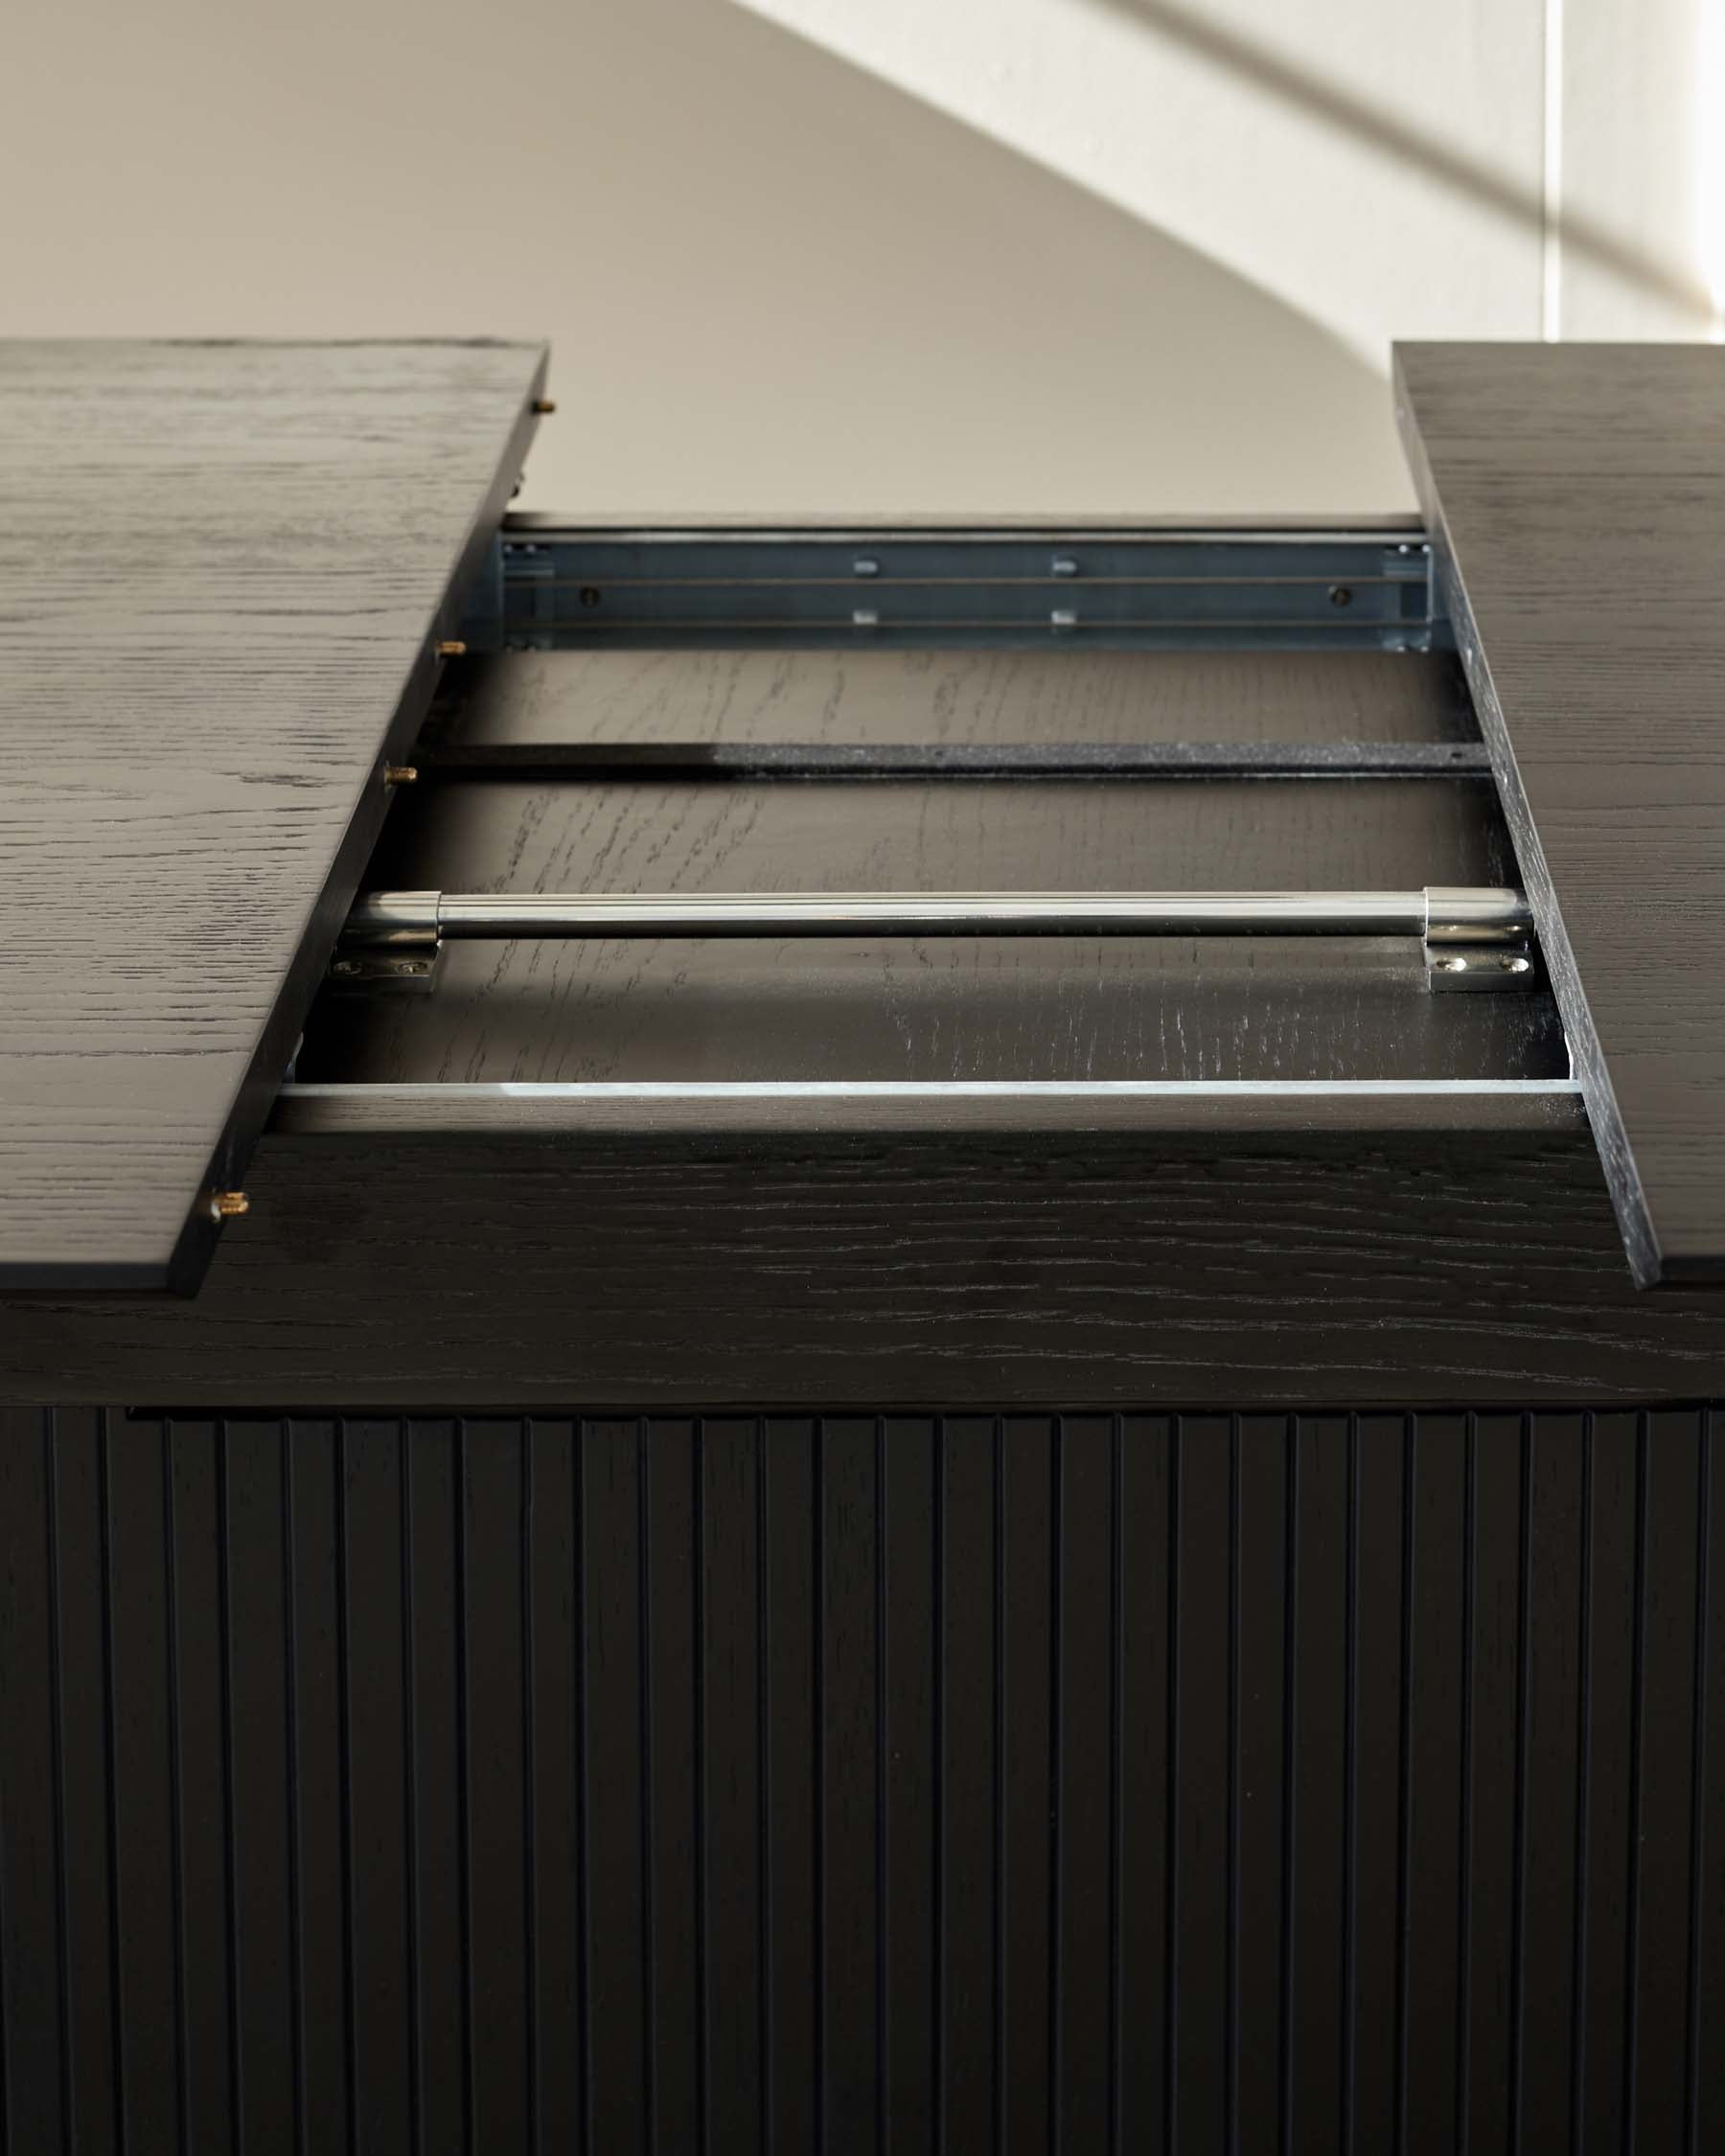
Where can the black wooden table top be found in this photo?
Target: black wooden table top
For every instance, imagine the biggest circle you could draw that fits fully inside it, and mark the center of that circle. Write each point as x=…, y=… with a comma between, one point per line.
x=1578, y=496
x=223, y=571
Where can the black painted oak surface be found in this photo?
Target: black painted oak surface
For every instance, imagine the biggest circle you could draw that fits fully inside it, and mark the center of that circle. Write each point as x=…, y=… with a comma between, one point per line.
x=222, y=570
x=1578, y=496
x=454, y=1271
x=645, y=698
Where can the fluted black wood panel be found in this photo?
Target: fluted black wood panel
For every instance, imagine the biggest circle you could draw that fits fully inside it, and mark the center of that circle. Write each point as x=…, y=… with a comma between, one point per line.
x=1196, y=1782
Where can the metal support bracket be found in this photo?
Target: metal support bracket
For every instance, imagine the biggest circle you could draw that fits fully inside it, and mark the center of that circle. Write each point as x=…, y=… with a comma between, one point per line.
x=1451, y=967
x=406, y=970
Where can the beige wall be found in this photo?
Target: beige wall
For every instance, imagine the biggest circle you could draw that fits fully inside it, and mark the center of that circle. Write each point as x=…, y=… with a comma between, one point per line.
x=775, y=282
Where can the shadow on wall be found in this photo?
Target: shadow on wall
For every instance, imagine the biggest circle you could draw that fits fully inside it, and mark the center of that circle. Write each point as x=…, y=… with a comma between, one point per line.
x=774, y=284
x=933, y=323
x=1312, y=94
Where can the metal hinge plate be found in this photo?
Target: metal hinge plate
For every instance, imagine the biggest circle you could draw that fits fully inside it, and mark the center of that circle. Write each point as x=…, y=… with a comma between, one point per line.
x=385, y=971
x=1452, y=968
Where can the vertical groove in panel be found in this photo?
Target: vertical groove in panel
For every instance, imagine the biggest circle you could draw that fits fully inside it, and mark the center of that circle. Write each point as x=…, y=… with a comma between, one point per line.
x=1260, y=1617
x=1199, y=1803
x=1350, y=1792
x=729, y=1824
x=1549, y=1831
x=344, y=1771
x=997, y=1760
x=552, y=1739
x=1378, y=1510
x=6, y=1839
x=1432, y=1964
x=6, y=2015
x=177, y=1806
x=817, y=1615
x=203, y=1973
x=380, y=1887
x=296, y=1939
x=1706, y=2125
x=464, y=1792
x=648, y=1881
x=1028, y=1462
x=882, y=1824
x=794, y=1732
x=764, y=1778
x=1084, y=1927
x=1637, y=1693
x=492, y=1644
x=1692, y=1976
x=1518, y=1832
x=1145, y=1531
x=1673, y=1451
x=33, y=2030
x=617, y=1798
x=1613, y=1539
x=62, y=1916
x=410, y=1784
x=1464, y=1883
x=583, y=1751
x=315, y=1823
x=1116, y=1707
x=1316, y=1770
x=1231, y=2064
x=111, y=1778
x=428, y=1534
x=525, y=1613
x=1402, y=1782
x=1284, y=1930
x=1497, y=1449
x=851, y=1885
x=908, y=1738
x=1578, y=2039
x=1057, y=1614
x=669, y=1462
x=701, y=1787
x=966, y=2000
x=939, y=1936
x=81, y=1707
x=1171, y=1914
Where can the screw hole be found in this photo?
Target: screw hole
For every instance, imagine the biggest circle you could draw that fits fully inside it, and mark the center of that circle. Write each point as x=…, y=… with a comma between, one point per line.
x=589, y=594
x=1341, y=595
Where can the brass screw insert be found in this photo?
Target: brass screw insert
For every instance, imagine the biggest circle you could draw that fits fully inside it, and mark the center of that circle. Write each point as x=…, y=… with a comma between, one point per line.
x=399, y=774
x=229, y=1204
x=544, y=406
x=451, y=646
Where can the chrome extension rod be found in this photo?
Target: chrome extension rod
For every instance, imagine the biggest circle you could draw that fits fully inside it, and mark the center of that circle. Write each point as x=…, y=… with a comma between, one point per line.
x=1459, y=914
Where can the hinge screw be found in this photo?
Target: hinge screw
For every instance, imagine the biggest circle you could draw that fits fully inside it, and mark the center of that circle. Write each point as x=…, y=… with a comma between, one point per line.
x=399, y=774
x=229, y=1204
x=544, y=406
x=451, y=646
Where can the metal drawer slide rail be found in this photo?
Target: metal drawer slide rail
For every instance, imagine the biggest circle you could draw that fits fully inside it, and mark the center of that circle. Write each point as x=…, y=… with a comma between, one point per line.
x=1473, y=937
x=549, y=585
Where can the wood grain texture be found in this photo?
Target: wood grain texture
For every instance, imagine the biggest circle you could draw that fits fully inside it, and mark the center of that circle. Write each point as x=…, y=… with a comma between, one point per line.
x=457, y=1271
x=644, y=699
x=222, y=571
x=937, y=1008
x=1577, y=494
